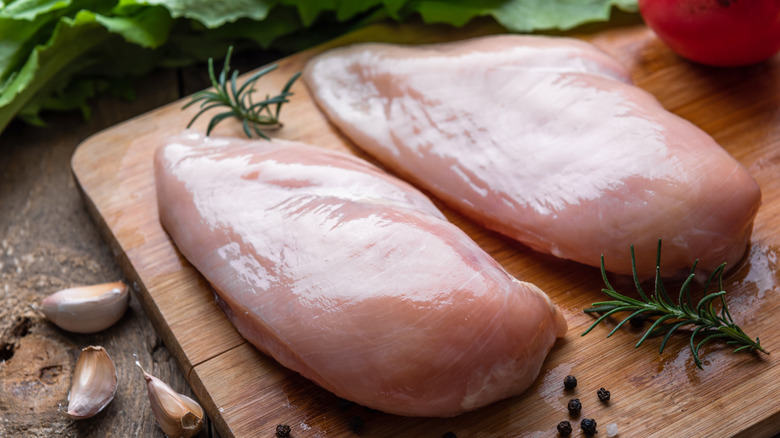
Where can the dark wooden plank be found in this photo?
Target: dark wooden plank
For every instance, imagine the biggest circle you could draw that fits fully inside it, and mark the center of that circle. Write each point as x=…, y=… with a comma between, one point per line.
x=48, y=242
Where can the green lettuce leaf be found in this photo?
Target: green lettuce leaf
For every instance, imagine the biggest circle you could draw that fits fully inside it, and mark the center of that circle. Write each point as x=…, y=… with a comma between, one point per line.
x=63, y=55
x=214, y=13
x=16, y=41
x=522, y=15
x=311, y=11
x=70, y=39
x=456, y=12
x=30, y=9
x=27, y=23
x=531, y=15
x=146, y=27
x=34, y=10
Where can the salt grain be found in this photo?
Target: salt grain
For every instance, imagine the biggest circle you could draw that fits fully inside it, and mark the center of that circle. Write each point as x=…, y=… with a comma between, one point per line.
x=612, y=430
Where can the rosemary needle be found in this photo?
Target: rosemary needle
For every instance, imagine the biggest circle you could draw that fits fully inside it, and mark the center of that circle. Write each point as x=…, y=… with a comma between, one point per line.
x=709, y=324
x=238, y=102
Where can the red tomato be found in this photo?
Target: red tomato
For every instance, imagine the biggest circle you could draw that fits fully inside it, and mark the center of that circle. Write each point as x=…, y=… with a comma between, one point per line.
x=716, y=32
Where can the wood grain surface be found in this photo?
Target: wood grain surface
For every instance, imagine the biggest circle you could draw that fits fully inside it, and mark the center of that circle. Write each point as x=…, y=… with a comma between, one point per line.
x=48, y=242
x=247, y=394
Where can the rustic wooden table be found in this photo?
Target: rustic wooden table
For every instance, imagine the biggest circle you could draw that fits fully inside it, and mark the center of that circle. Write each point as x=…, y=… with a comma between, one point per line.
x=49, y=242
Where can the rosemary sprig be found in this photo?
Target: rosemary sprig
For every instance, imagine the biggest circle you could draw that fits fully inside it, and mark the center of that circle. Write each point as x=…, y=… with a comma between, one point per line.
x=238, y=100
x=709, y=324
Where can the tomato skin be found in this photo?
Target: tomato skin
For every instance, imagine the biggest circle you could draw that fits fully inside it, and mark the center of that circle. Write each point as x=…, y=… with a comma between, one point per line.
x=716, y=32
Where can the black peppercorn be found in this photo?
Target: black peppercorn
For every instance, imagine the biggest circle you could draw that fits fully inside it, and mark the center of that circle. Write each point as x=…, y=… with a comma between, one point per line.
x=355, y=424
x=449, y=435
x=564, y=428
x=282, y=431
x=574, y=406
x=637, y=321
x=588, y=426
x=570, y=382
x=603, y=394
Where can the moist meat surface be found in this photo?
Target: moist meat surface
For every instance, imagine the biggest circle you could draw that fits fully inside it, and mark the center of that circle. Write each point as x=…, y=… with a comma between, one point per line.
x=352, y=277
x=547, y=141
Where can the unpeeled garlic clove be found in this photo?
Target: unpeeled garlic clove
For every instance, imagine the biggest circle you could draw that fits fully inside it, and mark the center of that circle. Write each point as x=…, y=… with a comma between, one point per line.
x=177, y=415
x=94, y=383
x=87, y=309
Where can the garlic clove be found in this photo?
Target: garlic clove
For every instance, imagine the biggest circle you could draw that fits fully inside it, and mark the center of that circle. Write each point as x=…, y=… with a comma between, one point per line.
x=94, y=383
x=87, y=309
x=177, y=415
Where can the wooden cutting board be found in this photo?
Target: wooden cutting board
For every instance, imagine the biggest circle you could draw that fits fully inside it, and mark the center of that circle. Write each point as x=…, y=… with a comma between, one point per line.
x=247, y=394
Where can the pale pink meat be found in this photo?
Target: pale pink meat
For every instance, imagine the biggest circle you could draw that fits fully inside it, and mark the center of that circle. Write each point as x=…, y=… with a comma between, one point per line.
x=547, y=141
x=352, y=277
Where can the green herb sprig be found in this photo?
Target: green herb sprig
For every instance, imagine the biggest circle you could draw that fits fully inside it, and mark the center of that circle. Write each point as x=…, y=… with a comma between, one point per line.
x=254, y=116
x=710, y=325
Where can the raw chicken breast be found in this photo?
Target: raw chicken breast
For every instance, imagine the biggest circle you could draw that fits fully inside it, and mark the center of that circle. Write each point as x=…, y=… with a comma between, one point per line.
x=351, y=277
x=545, y=140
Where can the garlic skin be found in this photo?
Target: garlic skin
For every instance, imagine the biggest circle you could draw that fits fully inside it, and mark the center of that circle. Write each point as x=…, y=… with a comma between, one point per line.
x=177, y=415
x=87, y=309
x=94, y=383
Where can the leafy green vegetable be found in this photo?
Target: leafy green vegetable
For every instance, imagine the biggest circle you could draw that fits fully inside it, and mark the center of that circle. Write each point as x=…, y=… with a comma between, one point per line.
x=31, y=9
x=213, y=14
x=146, y=27
x=528, y=15
x=71, y=38
x=57, y=54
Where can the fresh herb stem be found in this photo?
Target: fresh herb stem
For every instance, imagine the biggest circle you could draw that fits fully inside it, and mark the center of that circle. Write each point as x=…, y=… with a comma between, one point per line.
x=709, y=324
x=226, y=94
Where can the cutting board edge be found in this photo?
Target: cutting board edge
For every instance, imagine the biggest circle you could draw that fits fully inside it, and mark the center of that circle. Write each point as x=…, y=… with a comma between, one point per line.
x=136, y=281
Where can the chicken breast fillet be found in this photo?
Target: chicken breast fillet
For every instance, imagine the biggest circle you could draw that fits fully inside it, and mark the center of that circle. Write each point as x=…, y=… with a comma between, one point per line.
x=352, y=277
x=547, y=141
